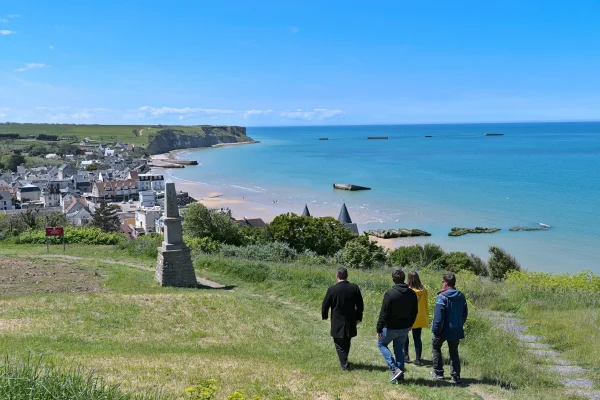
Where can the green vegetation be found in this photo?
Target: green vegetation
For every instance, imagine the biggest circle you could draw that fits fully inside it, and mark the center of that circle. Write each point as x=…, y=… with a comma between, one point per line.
x=105, y=217
x=264, y=338
x=34, y=381
x=501, y=263
x=325, y=236
x=201, y=222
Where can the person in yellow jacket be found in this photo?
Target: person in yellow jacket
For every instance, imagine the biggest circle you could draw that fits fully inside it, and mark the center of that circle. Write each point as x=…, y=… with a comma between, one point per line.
x=422, y=321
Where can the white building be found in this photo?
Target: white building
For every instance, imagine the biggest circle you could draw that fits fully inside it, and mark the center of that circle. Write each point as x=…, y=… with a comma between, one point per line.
x=50, y=196
x=78, y=213
x=146, y=219
x=28, y=193
x=147, y=198
x=151, y=182
x=6, y=202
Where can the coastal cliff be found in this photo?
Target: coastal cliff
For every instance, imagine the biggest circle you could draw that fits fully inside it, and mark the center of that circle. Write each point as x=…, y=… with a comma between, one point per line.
x=169, y=139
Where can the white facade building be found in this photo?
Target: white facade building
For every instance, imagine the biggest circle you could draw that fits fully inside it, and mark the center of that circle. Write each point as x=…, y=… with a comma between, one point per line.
x=146, y=219
x=151, y=182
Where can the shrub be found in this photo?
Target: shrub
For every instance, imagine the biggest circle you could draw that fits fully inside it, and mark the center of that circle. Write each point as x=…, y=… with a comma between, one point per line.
x=200, y=222
x=274, y=251
x=480, y=267
x=430, y=253
x=143, y=246
x=73, y=235
x=362, y=253
x=205, y=244
x=311, y=258
x=406, y=255
x=325, y=236
x=500, y=263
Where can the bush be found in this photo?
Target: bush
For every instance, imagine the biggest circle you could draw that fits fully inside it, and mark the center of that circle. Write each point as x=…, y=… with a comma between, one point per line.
x=274, y=251
x=311, y=258
x=362, y=253
x=325, y=236
x=200, y=222
x=143, y=246
x=500, y=263
x=205, y=244
x=73, y=235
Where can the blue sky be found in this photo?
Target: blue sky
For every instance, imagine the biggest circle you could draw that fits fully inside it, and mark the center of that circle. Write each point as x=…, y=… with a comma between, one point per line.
x=298, y=63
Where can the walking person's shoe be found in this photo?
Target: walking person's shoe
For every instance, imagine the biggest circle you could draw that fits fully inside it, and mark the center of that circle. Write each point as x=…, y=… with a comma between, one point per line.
x=418, y=362
x=406, y=358
x=456, y=379
x=397, y=373
x=434, y=375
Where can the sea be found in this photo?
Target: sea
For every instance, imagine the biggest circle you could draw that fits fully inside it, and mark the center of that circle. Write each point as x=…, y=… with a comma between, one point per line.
x=432, y=177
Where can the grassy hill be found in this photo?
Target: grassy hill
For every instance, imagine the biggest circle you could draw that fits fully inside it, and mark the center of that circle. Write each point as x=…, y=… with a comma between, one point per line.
x=96, y=133
x=265, y=336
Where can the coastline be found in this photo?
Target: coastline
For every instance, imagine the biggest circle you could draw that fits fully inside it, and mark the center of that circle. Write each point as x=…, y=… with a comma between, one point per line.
x=173, y=153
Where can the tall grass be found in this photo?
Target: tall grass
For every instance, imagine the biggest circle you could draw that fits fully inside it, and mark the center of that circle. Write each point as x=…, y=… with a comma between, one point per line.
x=33, y=380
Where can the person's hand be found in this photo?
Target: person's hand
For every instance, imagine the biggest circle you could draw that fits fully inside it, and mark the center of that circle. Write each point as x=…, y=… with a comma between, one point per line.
x=358, y=321
x=378, y=335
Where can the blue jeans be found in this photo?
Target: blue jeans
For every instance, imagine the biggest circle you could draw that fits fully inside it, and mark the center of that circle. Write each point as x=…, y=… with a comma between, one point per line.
x=398, y=337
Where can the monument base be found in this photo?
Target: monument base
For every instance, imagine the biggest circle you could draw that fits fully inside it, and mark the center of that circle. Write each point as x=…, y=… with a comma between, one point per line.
x=174, y=268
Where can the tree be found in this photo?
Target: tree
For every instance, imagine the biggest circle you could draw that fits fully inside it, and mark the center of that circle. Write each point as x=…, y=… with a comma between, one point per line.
x=105, y=217
x=325, y=236
x=201, y=222
x=362, y=253
x=13, y=161
x=500, y=263
x=416, y=255
x=91, y=167
x=136, y=132
x=30, y=217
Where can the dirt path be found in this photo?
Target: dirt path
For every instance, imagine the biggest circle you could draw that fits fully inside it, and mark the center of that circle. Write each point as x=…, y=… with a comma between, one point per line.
x=201, y=281
x=571, y=375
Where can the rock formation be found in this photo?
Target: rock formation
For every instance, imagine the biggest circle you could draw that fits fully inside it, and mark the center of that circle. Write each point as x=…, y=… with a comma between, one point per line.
x=477, y=229
x=170, y=139
x=393, y=233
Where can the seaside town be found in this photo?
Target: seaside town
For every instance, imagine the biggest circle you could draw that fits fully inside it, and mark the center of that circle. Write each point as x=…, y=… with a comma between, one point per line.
x=299, y=200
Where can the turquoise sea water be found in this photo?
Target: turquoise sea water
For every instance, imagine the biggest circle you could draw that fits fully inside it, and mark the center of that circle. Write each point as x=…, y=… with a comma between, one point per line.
x=536, y=172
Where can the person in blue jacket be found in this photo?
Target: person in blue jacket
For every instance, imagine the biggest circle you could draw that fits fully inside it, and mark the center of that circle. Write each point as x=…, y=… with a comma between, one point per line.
x=448, y=320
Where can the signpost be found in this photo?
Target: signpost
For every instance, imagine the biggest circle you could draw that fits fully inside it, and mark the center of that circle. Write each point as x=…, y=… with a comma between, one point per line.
x=55, y=231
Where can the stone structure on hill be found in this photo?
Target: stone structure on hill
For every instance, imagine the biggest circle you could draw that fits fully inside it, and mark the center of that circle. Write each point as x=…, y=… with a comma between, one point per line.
x=174, y=264
x=345, y=219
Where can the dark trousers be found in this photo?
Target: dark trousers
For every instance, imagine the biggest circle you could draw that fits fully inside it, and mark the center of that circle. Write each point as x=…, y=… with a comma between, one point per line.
x=438, y=364
x=342, y=347
x=416, y=334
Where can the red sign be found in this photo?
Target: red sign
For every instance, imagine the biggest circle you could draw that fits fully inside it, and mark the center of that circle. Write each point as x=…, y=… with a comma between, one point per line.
x=55, y=231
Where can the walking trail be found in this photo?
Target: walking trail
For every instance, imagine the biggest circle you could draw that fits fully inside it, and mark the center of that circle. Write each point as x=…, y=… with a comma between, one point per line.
x=571, y=375
x=201, y=281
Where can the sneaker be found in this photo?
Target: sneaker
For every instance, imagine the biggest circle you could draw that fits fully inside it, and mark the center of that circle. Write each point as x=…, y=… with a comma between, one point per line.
x=434, y=375
x=406, y=358
x=417, y=362
x=395, y=375
x=456, y=379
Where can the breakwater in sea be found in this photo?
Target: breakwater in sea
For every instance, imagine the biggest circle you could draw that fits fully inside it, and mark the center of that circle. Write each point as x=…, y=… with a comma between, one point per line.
x=534, y=173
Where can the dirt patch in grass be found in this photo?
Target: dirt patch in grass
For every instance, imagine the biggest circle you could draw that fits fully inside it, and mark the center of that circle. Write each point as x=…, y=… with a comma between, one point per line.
x=20, y=277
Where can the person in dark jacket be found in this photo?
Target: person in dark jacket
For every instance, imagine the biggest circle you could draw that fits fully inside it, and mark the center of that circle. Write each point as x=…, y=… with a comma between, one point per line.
x=450, y=315
x=396, y=318
x=346, y=303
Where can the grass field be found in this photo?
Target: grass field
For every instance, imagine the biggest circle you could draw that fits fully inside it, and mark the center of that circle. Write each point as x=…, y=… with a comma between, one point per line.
x=264, y=337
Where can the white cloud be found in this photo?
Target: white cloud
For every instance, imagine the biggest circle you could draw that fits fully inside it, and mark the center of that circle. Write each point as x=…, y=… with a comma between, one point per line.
x=316, y=113
x=183, y=112
x=251, y=113
x=3, y=115
x=51, y=47
x=6, y=32
x=29, y=66
x=13, y=16
x=294, y=30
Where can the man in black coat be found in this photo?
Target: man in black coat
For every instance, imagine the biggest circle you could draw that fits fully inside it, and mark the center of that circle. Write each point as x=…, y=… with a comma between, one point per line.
x=398, y=314
x=347, y=308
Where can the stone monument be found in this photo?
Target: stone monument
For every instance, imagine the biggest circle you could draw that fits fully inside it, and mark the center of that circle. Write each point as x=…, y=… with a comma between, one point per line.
x=174, y=264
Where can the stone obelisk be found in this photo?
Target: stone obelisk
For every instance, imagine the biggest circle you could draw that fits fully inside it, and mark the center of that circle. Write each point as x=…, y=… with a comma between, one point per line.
x=174, y=264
